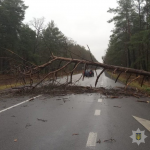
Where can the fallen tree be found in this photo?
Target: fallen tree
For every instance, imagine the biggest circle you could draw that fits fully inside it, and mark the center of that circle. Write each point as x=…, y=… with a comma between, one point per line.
x=87, y=63
x=29, y=70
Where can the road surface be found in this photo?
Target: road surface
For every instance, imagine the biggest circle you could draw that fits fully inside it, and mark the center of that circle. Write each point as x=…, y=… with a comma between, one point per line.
x=73, y=122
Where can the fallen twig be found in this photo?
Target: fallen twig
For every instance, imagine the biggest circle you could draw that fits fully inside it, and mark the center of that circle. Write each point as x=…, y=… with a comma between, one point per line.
x=136, y=96
x=27, y=125
x=132, y=81
x=31, y=99
x=58, y=99
x=99, y=141
x=114, y=97
x=142, y=101
x=117, y=106
x=42, y=120
x=75, y=134
x=110, y=140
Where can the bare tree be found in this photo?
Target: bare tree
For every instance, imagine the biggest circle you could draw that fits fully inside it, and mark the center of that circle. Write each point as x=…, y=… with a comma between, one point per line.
x=38, y=25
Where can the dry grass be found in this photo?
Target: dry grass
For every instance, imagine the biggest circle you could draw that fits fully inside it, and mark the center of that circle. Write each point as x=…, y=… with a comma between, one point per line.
x=135, y=84
x=7, y=82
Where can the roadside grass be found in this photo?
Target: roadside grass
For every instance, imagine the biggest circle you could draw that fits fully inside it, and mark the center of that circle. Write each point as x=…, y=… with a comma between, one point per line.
x=5, y=84
x=134, y=84
x=4, y=87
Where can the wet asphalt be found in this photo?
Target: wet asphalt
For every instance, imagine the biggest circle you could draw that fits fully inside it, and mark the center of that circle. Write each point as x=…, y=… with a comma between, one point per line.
x=64, y=122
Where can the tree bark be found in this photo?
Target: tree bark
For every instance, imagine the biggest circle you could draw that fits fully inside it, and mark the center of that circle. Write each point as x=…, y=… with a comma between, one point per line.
x=105, y=66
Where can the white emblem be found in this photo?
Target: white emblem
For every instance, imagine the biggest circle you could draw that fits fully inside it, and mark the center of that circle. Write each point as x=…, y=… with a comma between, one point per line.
x=138, y=136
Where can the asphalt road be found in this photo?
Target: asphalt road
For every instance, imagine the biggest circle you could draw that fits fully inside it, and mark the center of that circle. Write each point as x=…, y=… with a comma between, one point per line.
x=72, y=122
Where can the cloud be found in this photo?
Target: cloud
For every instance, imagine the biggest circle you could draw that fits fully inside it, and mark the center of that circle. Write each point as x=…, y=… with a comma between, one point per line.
x=85, y=21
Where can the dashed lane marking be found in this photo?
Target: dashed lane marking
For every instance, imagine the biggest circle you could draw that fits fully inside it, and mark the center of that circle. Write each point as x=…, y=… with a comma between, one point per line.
x=97, y=112
x=91, y=139
x=99, y=100
x=19, y=104
x=144, y=122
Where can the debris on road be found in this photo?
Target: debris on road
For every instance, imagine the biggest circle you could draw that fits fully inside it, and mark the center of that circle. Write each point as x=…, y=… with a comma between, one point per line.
x=136, y=96
x=75, y=134
x=25, y=106
x=13, y=116
x=15, y=140
x=31, y=99
x=114, y=97
x=58, y=99
x=142, y=101
x=42, y=120
x=110, y=140
x=44, y=98
x=118, y=106
x=28, y=125
x=60, y=94
x=63, y=90
x=99, y=141
x=110, y=93
x=65, y=100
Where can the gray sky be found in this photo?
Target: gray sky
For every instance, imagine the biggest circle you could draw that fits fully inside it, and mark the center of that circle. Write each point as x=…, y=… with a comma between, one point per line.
x=85, y=21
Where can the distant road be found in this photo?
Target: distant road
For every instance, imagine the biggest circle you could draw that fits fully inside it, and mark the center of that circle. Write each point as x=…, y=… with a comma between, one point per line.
x=103, y=81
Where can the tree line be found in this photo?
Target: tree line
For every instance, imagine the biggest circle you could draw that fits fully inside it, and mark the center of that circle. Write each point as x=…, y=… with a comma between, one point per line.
x=35, y=41
x=129, y=44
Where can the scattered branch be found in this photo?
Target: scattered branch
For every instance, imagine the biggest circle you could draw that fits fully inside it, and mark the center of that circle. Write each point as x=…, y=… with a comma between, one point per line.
x=99, y=76
x=118, y=77
x=132, y=81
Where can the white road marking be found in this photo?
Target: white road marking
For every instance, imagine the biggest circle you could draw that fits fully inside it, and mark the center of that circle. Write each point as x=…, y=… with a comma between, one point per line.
x=99, y=100
x=144, y=122
x=19, y=104
x=91, y=139
x=97, y=112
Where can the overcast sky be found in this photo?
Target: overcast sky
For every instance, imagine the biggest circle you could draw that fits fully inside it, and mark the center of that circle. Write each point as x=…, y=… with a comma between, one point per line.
x=85, y=21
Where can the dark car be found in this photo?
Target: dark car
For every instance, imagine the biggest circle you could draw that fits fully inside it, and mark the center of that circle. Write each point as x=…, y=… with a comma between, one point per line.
x=89, y=73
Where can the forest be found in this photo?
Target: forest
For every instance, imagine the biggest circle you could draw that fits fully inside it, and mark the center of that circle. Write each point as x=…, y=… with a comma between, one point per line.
x=33, y=42
x=129, y=44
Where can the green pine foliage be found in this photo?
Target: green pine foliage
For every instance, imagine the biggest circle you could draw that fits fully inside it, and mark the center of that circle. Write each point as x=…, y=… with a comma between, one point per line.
x=130, y=40
x=34, y=42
